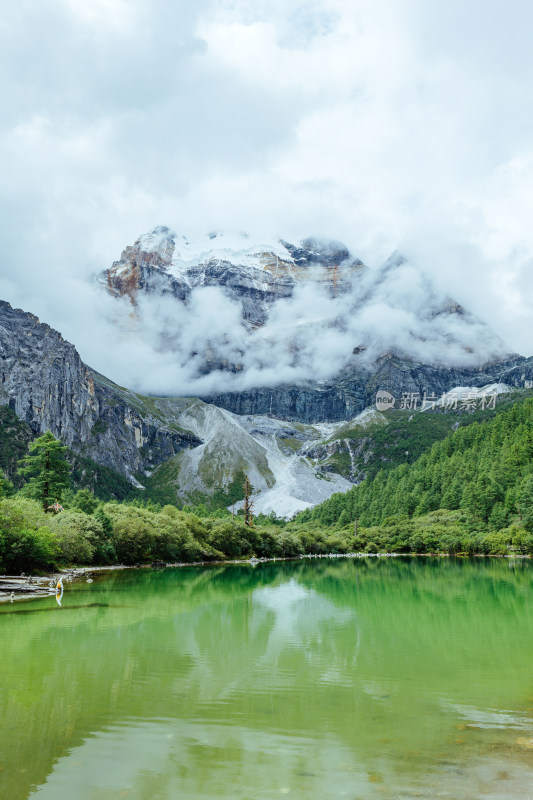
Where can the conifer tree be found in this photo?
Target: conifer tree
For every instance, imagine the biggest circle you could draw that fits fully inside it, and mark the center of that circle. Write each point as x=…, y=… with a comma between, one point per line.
x=47, y=469
x=525, y=502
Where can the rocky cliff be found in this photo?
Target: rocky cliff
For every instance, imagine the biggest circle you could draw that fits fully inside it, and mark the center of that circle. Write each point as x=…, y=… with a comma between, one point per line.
x=180, y=444
x=43, y=379
x=348, y=394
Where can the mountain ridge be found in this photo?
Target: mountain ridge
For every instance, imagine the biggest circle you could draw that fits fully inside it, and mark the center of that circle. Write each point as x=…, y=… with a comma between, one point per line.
x=348, y=395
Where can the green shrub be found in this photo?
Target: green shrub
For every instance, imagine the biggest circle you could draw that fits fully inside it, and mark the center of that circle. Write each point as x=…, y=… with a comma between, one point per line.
x=521, y=539
x=314, y=542
x=451, y=544
x=170, y=511
x=133, y=539
x=75, y=532
x=23, y=509
x=360, y=542
x=74, y=547
x=417, y=543
x=199, y=528
x=495, y=544
x=174, y=542
x=338, y=544
x=234, y=539
x=85, y=501
x=269, y=544
x=104, y=548
x=25, y=546
x=289, y=545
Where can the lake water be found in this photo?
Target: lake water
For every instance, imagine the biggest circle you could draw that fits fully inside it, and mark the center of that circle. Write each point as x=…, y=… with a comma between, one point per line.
x=330, y=678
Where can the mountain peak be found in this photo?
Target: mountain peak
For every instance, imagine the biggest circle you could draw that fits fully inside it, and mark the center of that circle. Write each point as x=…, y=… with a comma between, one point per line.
x=241, y=250
x=268, y=267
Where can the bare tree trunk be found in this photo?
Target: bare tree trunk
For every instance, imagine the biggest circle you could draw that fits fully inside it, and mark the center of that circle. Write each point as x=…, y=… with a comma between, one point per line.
x=248, y=504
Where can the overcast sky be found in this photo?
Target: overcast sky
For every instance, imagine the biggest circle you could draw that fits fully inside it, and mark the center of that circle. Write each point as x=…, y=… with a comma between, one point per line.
x=394, y=124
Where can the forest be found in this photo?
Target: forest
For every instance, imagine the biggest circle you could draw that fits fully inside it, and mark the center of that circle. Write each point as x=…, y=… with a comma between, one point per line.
x=469, y=493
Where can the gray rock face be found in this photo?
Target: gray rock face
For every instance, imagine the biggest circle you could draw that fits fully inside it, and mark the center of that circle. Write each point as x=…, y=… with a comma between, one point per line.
x=359, y=451
x=241, y=284
x=350, y=393
x=43, y=379
x=306, y=403
x=327, y=254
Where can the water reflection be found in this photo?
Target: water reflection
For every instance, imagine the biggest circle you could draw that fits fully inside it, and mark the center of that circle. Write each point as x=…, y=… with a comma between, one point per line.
x=59, y=591
x=318, y=678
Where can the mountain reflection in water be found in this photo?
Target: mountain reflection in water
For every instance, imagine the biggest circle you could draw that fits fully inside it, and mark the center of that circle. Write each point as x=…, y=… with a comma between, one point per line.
x=312, y=679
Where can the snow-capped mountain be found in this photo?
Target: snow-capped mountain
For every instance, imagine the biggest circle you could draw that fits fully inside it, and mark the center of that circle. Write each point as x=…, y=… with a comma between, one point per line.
x=295, y=330
x=287, y=345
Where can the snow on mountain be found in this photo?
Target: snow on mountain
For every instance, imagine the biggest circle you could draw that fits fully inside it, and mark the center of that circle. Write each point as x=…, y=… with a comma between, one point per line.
x=180, y=254
x=234, y=248
x=469, y=394
x=251, y=275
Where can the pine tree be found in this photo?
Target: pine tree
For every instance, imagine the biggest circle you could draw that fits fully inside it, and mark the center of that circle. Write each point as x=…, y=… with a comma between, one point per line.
x=248, y=504
x=525, y=502
x=344, y=519
x=47, y=469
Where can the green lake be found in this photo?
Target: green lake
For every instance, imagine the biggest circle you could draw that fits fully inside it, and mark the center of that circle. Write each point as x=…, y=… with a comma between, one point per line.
x=316, y=679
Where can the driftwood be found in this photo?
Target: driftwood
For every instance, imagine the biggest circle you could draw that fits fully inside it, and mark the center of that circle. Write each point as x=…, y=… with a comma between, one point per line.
x=20, y=584
x=24, y=588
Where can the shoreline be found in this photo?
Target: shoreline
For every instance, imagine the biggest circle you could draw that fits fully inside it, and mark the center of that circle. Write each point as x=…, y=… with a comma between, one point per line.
x=32, y=587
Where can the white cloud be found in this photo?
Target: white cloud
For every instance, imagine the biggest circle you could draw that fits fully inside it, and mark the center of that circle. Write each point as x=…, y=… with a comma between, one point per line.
x=384, y=125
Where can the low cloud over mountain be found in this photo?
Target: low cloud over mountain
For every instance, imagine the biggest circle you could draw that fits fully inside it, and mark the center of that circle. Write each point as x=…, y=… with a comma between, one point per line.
x=229, y=314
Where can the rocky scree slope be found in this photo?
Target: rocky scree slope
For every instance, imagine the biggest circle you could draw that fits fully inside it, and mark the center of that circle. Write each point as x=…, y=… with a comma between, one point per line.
x=267, y=450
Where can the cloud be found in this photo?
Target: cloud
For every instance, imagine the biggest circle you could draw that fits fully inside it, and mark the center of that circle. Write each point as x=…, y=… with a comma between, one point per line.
x=400, y=126
x=201, y=346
